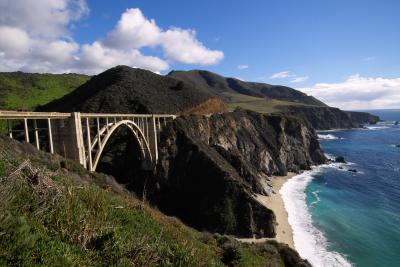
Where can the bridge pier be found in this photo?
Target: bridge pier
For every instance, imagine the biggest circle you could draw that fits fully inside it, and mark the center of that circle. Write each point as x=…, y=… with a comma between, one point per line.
x=152, y=138
x=68, y=138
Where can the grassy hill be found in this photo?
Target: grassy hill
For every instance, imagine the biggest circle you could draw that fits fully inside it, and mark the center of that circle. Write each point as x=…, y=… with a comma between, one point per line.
x=53, y=216
x=258, y=104
x=26, y=91
x=260, y=97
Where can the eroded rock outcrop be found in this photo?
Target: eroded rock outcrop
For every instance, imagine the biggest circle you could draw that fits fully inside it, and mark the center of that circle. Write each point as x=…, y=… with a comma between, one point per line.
x=325, y=118
x=210, y=168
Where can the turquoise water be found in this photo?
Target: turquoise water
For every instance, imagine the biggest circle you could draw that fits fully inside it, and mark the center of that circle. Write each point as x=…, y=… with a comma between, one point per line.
x=342, y=218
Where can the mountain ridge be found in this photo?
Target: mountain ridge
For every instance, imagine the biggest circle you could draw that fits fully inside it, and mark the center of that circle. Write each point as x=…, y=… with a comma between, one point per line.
x=131, y=90
x=266, y=98
x=220, y=85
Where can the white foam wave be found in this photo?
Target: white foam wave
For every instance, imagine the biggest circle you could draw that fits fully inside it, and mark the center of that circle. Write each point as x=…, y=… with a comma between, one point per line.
x=376, y=127
x=317, y=199
x=330, y=156
x=308, y=240
x=328, y=137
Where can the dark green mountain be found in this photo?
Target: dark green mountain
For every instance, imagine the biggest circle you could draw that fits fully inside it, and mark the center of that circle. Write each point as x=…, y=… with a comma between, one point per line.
x=129, y=90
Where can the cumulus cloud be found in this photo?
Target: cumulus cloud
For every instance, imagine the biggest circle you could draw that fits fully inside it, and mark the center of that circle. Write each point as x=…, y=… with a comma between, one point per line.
x=42, y=17
x=14, y=41
x=243, y=67
x=181, y=45
x=299, y=79
x=358, y=92
x=134, y=30
x=36, y=36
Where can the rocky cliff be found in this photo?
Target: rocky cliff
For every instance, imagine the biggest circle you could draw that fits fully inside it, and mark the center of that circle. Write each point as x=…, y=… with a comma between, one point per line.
x=210, y=168
x=325, y=118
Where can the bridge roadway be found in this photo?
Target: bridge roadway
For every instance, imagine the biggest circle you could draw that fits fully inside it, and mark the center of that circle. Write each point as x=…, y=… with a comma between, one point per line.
x=82, y=137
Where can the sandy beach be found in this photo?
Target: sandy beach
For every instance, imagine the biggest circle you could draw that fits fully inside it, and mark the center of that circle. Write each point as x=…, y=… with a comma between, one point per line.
x=284, y=233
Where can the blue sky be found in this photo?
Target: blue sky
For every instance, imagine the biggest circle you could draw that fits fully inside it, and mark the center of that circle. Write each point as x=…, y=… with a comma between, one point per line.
x=325, y=48
x=325, y=40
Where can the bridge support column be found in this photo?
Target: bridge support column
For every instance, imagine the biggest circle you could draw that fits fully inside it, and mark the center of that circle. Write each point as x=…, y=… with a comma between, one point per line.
x=69, y=139
x=152, y=139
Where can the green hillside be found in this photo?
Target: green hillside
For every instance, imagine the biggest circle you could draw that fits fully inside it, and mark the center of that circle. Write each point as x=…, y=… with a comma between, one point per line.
x=53, y=216
x=259, y=104
x=260, y=97
x=26, y=91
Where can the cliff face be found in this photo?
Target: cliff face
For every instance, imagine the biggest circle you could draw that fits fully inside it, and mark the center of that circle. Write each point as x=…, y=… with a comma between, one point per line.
x=325, y=118
x=210, y=167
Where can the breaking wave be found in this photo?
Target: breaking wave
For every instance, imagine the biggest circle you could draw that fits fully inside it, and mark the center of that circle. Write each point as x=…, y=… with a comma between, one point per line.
x=308, y=240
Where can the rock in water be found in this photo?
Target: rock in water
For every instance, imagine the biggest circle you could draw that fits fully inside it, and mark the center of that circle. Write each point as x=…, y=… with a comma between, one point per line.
x=340, y=159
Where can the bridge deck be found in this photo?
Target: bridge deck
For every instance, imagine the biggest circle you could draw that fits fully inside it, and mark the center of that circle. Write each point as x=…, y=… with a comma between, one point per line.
x=5, y=114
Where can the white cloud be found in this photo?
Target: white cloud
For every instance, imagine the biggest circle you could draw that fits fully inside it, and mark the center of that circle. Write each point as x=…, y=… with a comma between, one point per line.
x=14, y=41
x=135, y=31
x=36, y=36
x=286, y=75
x=181, y=45
x=281, y=75
x=242, y=67
x=358, y=92
x=299, y=79
x=42, y=17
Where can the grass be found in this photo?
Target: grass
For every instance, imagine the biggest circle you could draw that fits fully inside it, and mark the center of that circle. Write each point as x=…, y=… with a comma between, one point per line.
x=28, y=90
x=258, y=104
x=56, y=217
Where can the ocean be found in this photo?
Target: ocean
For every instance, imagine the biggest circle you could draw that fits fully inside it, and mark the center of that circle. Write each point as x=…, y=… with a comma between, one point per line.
x=344, y=218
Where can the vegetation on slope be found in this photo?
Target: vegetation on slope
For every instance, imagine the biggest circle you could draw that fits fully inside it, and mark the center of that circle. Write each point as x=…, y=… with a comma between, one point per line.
x=233, y=90
x=55, y=216
x=259, y=104
x=128, y=90
x=26, y=91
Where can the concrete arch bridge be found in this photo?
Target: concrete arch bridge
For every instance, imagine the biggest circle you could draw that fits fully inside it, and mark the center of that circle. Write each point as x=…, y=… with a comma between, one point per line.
x=82, y=137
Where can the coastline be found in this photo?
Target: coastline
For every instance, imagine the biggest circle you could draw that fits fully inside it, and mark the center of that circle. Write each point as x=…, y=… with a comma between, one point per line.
x=284, y=232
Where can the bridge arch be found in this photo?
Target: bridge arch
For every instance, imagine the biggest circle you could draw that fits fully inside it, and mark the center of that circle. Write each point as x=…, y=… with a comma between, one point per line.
x=70, y=134
x=137, y=134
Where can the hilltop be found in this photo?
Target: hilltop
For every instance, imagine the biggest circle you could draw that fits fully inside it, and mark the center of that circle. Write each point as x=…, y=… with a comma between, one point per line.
x=130, y=90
